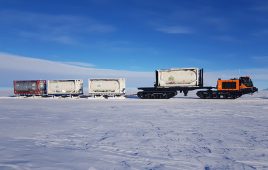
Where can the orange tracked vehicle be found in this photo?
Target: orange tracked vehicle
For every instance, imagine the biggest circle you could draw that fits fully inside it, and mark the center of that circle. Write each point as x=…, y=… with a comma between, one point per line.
x=229, y=89
x=171, y=81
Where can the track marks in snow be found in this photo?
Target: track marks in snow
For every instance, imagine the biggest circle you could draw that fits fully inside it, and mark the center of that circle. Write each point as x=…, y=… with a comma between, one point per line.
x=135, y=134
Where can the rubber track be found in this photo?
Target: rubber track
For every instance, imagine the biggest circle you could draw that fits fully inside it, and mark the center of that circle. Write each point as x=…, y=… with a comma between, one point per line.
x=156, y=94
x=209, y=94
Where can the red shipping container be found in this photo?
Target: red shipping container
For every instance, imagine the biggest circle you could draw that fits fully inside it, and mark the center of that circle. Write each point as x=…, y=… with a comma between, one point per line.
x=29, y=87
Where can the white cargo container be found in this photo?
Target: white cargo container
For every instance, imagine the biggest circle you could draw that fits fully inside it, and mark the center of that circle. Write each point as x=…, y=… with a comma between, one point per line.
x=64, y=87
x=179, y=77
x=107, y=87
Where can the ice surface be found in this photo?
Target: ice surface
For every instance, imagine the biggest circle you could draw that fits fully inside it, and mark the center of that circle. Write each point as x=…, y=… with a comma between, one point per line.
x=180, y=133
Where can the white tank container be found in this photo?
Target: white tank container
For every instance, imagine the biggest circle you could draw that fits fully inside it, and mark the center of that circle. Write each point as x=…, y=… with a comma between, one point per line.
x=182, y=77
x=107, y=87
x=64, y=87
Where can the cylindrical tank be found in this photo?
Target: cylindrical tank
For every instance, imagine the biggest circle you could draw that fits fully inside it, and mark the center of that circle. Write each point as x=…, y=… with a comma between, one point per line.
x=179, y=77
x=107, y=87
x=64, y=87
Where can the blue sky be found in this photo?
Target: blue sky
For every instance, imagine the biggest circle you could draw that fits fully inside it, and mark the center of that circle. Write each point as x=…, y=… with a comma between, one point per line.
x=139, y=35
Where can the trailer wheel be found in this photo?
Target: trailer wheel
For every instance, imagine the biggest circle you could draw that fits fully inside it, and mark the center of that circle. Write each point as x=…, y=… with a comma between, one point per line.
x=185, y=92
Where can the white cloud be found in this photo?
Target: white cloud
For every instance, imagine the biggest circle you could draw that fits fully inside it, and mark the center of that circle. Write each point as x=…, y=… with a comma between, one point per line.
x=221, y=24
x=263, y=32
x=62, y=39
x=261, y=7
x=260, y=59
x=64, y=29
x=226, y=38
x=80, y=64
x=100, y=28
x=14, y=67
x=175, y=30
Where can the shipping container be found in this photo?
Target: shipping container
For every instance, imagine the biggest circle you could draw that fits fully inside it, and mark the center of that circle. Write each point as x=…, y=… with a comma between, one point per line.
x=179, y=77
x=107, y=87
x=29, y=87
x=64, y=87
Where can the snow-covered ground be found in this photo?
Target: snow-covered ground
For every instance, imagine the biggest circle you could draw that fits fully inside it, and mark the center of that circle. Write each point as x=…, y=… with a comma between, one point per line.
x=180, y=133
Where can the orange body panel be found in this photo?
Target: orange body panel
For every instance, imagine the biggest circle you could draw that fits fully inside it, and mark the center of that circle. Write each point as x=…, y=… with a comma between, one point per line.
x=222, y=87
x=242, y=86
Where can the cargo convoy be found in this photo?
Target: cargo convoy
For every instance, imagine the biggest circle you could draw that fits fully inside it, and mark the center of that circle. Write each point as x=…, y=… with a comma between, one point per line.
x=169, y=82
x=69, y=88
x=48, y=87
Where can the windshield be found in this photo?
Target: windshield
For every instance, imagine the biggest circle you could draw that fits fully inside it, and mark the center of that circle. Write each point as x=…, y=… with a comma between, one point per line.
x=246, y=81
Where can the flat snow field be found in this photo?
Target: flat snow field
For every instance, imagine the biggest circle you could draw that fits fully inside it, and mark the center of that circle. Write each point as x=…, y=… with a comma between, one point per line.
x=179, y=133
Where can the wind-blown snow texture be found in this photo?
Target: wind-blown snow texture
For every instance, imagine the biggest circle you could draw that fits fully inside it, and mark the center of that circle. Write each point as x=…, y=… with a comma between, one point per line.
x=180, y=133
